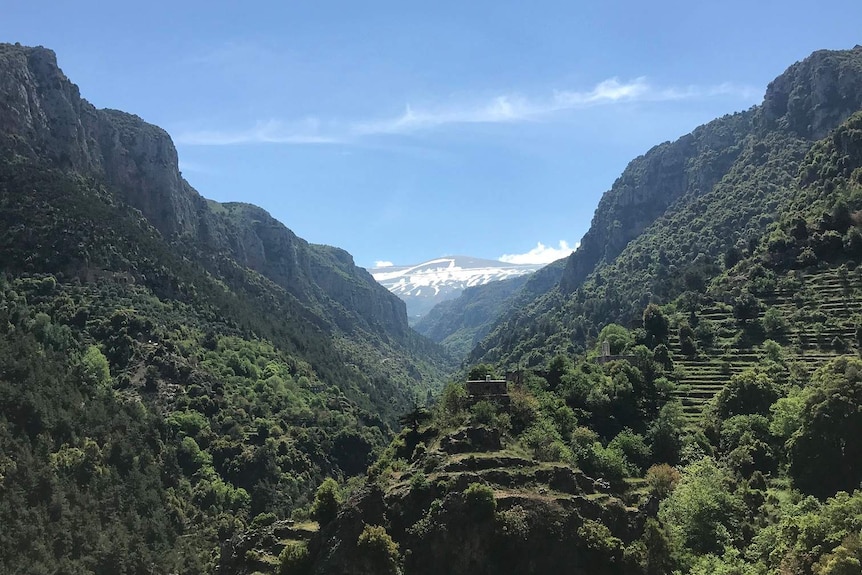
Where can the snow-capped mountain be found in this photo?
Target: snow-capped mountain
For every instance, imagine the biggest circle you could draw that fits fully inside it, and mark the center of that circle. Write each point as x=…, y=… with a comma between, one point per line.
x=424, y=285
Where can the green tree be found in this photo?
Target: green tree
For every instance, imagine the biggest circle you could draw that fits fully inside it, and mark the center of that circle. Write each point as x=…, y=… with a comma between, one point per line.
x=786, y=414
x=746, y=307
x=617, y=336
x=377, y=552
x=657, y=559
x=481, y=371
x=751, y=391
x=700, y=514
x=666, y=432
x=687, y=343
x=453, y=402
x=774, y=324
x=327, y=501
x=825, y=452
x=559, y=367
x=655, y=324
x=94, y=368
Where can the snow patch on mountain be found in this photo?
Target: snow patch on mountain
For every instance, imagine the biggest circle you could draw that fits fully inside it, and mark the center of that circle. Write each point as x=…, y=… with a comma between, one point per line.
x=422, y=286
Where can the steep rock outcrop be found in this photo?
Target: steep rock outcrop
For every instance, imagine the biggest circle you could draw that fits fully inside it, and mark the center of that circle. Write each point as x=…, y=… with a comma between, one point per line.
x=675, y=210
x=42, y=116
x=809, y=99
x=815, y=95
x=650, y=184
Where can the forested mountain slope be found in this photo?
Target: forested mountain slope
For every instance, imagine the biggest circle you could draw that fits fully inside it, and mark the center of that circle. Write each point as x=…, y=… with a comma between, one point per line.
x=676, y=211
x=718, y=436
x=171, y=366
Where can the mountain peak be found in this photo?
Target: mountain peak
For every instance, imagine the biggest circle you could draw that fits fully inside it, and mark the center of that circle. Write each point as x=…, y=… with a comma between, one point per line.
x=814, y=95
x=424, y=285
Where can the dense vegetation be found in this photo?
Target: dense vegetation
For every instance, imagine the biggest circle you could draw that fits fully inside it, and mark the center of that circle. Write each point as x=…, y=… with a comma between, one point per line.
x=594, y=464
x=723, y=426
x=170, y=368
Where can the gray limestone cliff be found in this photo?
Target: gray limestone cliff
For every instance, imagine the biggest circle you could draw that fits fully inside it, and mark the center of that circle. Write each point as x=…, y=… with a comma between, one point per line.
x=808, y=100
x=44, y=118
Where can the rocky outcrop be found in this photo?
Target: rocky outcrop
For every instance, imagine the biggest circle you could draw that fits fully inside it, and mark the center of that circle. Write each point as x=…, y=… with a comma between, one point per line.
x=810, y=99
x=44, y=118
x=314, y=274
x=815, y=95
x=650, y=184
x=480, y=511
x=42, y=115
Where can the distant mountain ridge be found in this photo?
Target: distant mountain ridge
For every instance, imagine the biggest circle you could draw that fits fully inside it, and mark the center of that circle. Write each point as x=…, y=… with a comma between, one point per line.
x=422, y=286
x=461, y=323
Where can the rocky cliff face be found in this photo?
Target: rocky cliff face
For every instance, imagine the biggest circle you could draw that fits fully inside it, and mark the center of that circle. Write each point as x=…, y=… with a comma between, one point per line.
x=42, y=116
x=42, y=113
x=314, y=274
x=675, y=210
x=650, y=184
x=815, y=95
x=810, y=99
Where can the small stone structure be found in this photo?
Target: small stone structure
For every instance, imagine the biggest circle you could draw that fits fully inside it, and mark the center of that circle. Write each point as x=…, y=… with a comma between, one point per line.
x=488, y=389
x=607, y=356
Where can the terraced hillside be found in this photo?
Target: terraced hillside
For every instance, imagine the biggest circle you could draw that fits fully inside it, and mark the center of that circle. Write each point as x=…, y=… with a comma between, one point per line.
x=464, y=500
x=817, y=315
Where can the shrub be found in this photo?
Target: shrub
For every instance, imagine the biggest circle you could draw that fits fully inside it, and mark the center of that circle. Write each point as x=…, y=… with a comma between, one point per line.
x=515, y=522
x=609, y=463
x=419, y=482
x=294, y=559
x=545, y=442
x=597, y=537
x=633, y=446
x=453, y=401
x=481, y=371
x=377, y=550
x=263, y=520
x=480, y=499
x=662, y=479
x=327, y=500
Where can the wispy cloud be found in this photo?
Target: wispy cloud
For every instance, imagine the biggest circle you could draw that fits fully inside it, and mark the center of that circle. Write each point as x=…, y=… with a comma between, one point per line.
x=541, y=254
x=383, y=264
x=270, y=132
x=507, y=108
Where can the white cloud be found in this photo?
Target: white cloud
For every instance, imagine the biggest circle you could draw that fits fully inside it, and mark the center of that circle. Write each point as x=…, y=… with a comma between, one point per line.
x=383, y=264
x=541, y=254
x=505, y=108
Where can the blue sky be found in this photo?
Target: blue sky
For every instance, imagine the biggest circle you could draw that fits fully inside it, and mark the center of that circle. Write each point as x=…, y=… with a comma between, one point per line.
x=403, y=131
